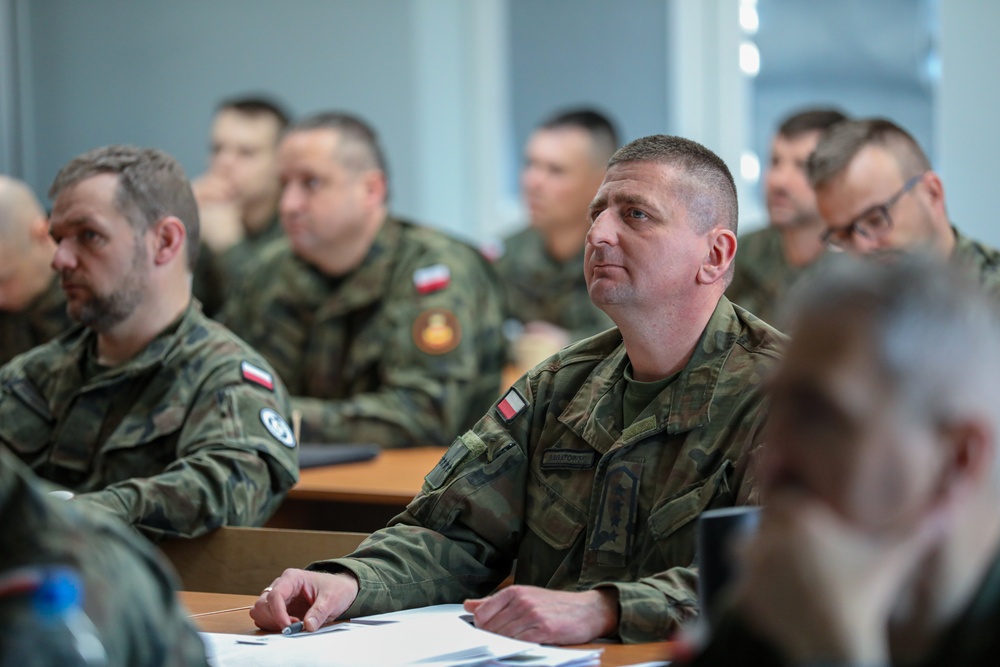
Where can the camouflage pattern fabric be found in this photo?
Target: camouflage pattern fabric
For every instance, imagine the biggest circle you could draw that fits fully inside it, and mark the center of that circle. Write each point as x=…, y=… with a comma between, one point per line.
x=207, y=284
x=126, y=593
x=243, y=258
x=580, y=499
x=39, y=323
x=981, y=261
x=181, y=439
x=971, y=641
x=538, y=287
x=763, y=276
x=405, y=350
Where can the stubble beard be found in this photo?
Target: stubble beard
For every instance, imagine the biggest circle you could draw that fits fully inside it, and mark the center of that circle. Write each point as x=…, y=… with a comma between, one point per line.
x=101, y=313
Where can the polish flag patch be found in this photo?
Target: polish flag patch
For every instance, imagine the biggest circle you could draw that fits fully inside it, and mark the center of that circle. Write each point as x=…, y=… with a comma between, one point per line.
x=511, y=405
x=432, y=278
x=257, y=375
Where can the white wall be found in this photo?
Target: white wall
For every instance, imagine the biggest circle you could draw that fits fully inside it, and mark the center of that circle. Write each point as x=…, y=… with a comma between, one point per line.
x=968, y=109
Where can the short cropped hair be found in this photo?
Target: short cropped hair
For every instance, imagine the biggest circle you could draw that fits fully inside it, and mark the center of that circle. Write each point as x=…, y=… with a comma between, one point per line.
x=838, y=146
x=359, y=148
x=151, y=186
x=257, y=106
x=713, y=199
x=603, y=134
x=809, y=120
x=933, y=331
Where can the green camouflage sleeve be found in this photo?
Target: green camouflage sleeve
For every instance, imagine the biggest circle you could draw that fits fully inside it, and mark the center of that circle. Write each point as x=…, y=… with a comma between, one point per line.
x=236, y=460
x=127, y=594
x=456, y=540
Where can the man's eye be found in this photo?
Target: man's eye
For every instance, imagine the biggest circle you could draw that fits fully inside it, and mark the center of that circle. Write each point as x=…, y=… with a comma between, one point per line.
x=88, y=236
x=637, y=214
x=311, y=183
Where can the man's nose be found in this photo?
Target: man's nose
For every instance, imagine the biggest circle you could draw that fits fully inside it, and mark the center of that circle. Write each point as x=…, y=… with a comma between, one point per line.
x=64, y=258
x=291, y=199
x=603, y=230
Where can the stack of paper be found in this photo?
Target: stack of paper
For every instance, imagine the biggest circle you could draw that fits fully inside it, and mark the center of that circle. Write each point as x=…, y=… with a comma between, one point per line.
x=430, y=637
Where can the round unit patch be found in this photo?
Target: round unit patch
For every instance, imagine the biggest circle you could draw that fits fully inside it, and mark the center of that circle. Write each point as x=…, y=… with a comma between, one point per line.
x=277, y=427
x=436, y=331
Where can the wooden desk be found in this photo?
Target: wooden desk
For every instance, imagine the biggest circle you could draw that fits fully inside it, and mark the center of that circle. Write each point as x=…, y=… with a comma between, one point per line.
x=220, y=612
x=359, y=497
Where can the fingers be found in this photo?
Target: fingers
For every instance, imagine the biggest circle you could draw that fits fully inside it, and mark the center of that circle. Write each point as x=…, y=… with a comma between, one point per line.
x=510, y=613
x=270, y=612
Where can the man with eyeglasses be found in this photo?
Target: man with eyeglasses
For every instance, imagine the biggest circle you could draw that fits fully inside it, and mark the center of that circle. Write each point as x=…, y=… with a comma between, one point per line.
x=878, y=194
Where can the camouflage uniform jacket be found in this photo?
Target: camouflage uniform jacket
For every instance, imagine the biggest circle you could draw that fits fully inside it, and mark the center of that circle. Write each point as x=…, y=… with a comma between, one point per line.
x=179, y=440
x=243, y=258
x=539, y=287
x=208, y=284
x=971, y=641
x=404, y=350
x=578, y=498
x=763, y=277
x=44, y=319
x=126, y=593
x=982, y=261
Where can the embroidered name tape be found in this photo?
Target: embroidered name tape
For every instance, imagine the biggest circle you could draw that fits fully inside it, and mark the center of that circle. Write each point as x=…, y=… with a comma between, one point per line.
x=561, y=459
x=257, y=375
x=511, y=405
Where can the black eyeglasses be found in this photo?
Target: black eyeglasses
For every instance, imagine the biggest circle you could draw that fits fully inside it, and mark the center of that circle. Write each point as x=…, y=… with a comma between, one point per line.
x=872, y=224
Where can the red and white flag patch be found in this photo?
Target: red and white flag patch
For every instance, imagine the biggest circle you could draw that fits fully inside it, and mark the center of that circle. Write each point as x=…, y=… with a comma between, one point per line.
x=511, y=405
x=432, y=278
x=257, y=375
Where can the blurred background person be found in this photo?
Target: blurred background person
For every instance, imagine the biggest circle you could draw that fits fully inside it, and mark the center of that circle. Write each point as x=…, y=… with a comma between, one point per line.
x=384, y=331
x=32, y=306
x=238, y=195
x=879, y=538
x=541, y=266
x=770, y=260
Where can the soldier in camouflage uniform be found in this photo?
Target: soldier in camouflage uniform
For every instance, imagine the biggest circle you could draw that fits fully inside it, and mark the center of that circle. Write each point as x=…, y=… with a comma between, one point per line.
x=126, y=593
x=32, y=307
x=541, y=267
x=383, y=331
x=879, y=542
x=238, y=195
x=592, y=469
x=878, y=194
x=771, y=260
x=147, y=409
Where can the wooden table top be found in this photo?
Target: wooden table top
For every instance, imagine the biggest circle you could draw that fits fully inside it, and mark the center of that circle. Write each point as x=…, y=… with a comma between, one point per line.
x=391, y=478
x=221, y=612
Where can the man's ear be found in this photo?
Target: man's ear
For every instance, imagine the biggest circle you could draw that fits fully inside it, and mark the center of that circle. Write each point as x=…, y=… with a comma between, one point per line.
x=375, y=187
x=968, y=459
x=934, y=190
x=721, y=252
x=169, y=238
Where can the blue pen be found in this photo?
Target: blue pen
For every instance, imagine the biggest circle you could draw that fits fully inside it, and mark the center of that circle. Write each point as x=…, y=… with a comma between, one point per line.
x=294, y=628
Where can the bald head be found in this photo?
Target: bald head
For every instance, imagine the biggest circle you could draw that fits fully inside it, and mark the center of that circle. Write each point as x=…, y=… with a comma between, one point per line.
x=25, y=247
x=19, y=208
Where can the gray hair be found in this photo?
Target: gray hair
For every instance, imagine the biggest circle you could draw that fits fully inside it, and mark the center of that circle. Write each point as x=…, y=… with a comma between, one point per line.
x=151, y=186
x=934, y=333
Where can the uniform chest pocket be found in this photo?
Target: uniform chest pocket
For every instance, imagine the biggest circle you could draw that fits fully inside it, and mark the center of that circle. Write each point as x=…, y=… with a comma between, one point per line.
x=672, y=524
x=25, y=419
x=141, y=445
x=551, y=517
